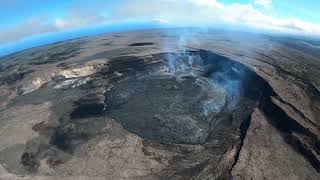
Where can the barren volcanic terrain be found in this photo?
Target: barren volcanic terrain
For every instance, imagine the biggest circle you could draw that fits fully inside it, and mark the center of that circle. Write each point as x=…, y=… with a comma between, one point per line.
x=162, y=104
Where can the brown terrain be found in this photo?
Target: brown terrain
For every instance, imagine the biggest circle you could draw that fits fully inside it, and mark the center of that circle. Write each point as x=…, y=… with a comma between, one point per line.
x=162, y=104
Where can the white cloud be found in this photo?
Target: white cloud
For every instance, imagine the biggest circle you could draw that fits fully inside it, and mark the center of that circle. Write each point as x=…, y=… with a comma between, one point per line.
x=172, y=12
x=70, y=22
x=31, y=27
x=82, y=14
x=160, y=21
x=207, y=3
x=211, y=12
x=78, y=15
x=264, y=3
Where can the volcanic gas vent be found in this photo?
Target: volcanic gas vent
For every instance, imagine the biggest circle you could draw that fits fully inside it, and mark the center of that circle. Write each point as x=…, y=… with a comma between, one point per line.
x=167, y=109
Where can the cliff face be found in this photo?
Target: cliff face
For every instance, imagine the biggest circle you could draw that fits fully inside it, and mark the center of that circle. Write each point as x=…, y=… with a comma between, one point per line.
x=141, y=105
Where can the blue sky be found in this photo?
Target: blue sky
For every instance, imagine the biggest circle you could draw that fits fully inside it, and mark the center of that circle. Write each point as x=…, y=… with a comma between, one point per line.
x=17, y=11
x=24, y=19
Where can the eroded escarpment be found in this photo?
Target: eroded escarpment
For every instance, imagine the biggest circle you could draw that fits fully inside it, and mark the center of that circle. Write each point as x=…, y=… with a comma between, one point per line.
x=185, y=115
x=27, y=71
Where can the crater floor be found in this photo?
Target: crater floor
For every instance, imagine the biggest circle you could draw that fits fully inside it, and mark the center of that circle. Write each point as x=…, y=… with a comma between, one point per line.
x=165, y=109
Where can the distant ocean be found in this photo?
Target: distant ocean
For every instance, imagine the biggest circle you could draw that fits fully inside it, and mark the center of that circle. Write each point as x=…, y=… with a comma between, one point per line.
x=49, y=38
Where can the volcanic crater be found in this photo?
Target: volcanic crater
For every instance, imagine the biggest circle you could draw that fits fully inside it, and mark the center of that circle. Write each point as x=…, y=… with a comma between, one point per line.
x=192, y=97
x=185, y=114
x=188, y=100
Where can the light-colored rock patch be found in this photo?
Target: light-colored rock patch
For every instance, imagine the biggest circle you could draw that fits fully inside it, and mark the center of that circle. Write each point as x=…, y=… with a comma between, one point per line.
x=78, y=72
x=73, y=83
